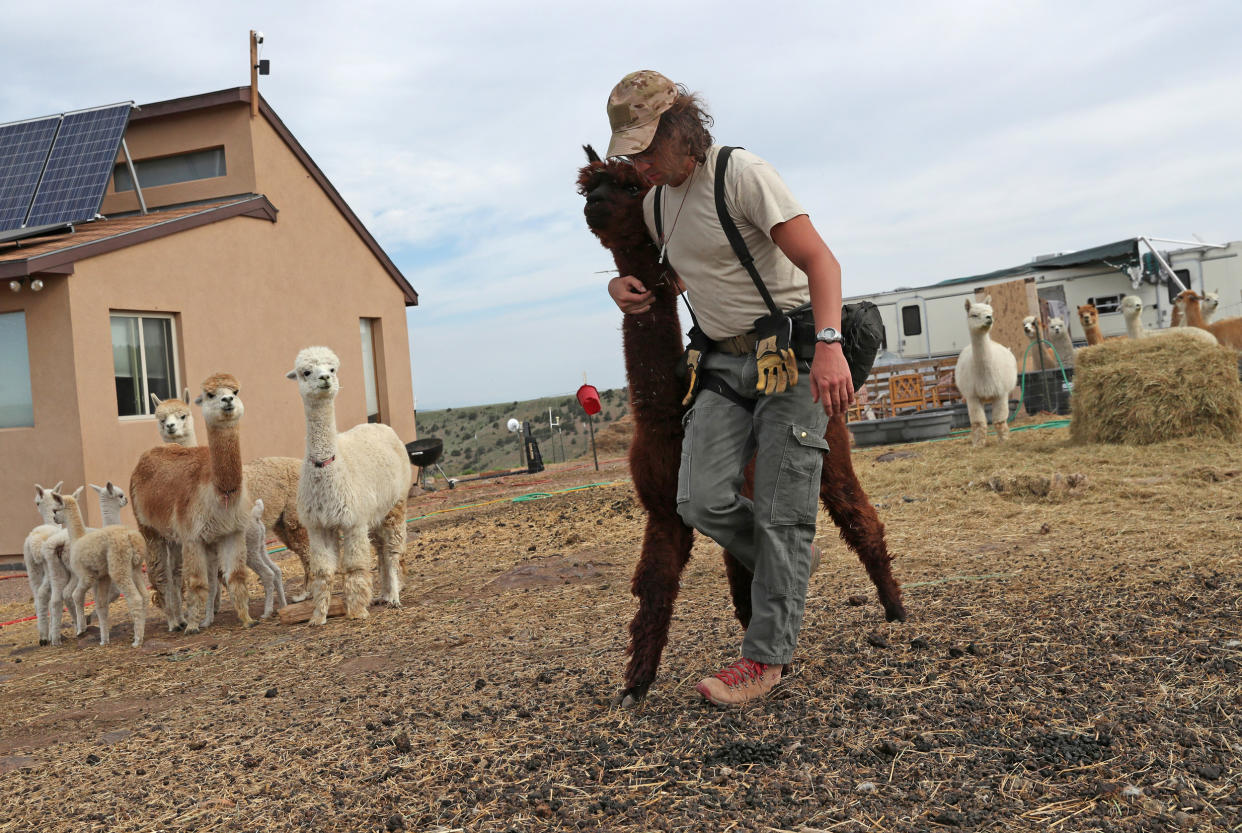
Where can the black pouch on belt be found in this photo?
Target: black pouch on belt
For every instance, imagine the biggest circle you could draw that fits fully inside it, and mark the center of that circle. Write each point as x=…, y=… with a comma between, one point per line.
x=689, y=369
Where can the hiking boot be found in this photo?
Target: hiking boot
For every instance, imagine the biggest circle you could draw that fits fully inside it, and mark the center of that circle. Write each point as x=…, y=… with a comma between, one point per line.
x=741, y=682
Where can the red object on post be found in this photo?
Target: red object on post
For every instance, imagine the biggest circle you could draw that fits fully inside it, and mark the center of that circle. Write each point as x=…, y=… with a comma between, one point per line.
x=588, y=398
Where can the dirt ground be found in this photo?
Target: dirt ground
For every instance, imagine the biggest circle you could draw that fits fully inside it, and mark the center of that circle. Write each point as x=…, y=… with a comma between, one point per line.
x=1071, y=663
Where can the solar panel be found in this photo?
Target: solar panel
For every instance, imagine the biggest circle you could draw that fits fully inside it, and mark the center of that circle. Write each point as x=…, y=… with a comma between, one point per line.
x=24, y=147
x=79, y=166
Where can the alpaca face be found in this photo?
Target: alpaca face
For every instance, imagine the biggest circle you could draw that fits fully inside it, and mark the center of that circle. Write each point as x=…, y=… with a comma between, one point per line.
x=612, y=189
x=979, y=316
x=1088, y=316
x=315, y=371
x=174, y=420
x=113, y=493
x=1211, y=300
x=1056, y=326
x=43, y=499
x=1131, y=306
x=221, y=402
x=1030, y=326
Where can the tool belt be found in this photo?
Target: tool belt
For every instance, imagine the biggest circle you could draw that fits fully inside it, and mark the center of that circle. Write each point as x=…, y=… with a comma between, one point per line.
x=803, y=336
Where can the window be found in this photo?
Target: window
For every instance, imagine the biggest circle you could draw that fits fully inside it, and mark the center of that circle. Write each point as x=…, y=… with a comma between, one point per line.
x=144, y=360
x=1106, y=303
x=169, y=170
x=1174, y=290
x=370, y=373
x=911, y=321
x=16, y=402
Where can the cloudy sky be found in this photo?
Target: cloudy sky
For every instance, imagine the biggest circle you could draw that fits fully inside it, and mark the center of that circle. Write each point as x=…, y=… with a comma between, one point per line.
x=927, y=140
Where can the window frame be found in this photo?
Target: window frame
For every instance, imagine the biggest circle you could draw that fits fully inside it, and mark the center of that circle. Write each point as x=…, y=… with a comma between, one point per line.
x=145, y=399
x=25, y=319
x=1112, y=307
x=122, y=170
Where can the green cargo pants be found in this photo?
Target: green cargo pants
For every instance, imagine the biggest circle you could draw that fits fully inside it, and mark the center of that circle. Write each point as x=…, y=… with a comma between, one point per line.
x=772, y=533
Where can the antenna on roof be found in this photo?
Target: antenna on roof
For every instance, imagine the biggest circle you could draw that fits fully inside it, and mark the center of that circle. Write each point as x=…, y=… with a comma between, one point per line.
x=257, y=67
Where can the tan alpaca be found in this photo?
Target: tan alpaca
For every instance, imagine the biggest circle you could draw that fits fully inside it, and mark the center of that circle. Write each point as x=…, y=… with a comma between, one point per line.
x=1228, y=331
x=1038, y=355
x=98, y=558
x=273, y=480
x=197, y=497
x=1089, y=317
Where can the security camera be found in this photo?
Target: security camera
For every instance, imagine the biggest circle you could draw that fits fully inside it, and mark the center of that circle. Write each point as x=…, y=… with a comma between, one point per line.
x=258, y=37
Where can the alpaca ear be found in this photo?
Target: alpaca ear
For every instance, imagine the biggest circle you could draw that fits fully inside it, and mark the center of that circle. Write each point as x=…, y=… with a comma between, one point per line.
x=969, y=304
x=57, y=499
x=292, y=374
x=987, y=299
x=198, y=400
x=77, y=493
x=186, y=397
x=96, y=488
x=112, y=490
x=592, y=156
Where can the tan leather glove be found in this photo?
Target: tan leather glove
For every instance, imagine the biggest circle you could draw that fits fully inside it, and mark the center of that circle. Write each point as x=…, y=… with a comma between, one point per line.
x=692, y=360
x=778, y=366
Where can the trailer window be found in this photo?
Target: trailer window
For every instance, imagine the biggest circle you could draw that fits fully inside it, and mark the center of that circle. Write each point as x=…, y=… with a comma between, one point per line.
x=911, y=321
x=1106, y=303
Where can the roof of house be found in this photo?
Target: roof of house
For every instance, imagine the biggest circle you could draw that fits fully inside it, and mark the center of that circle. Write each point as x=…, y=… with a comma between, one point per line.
x=58, y=252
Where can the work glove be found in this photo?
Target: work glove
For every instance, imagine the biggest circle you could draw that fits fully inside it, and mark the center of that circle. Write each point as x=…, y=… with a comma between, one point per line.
x=694, y=378
x=774, y=355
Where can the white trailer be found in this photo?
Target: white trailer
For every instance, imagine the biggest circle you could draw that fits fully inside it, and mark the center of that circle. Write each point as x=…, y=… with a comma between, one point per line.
x=929, y=321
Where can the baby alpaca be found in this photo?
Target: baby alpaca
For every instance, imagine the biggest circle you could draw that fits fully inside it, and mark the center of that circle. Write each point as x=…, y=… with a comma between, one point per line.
x=32, y=558
x=986, y=372
x=354, y=485
x=100, y=557
x=260, y=562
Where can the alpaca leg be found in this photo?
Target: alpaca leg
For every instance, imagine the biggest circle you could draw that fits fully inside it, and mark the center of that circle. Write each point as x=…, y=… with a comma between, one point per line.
x=666, y=549
x=356, y=572
x=174, y=579
x=77, y=607
x=1000, y=417
x=266, y=577
x=213, y=591
x=231, y=550
x=278, y=579
x=978, y=422
x=136, y=600
x=79, y=601
x=856, y=519
x=56, y=579
x=324, y=544
x=41, y=587
x=391, y=548
x=103, y=587
x=123, y=567
x=194, y=577
x=298, y=542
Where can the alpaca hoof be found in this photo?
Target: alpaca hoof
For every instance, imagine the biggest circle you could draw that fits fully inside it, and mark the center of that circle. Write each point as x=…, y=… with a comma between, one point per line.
x=43, y=642
x=318, y=619
x=299, y=597
x=361, y=613
x=137, y=643
x=894, y=613
x=190, y=629
x=392, y=602
x=628, y=698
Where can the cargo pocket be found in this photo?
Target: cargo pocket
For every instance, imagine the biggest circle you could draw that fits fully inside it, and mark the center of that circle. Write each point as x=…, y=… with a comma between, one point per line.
x=683, y=470
x=796, y=498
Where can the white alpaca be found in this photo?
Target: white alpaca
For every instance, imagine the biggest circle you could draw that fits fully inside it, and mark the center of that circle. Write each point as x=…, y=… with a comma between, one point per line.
x=986, y=372
x=197, y=498
x=353, y=485
x=59, y=580
x=32, y=558
x=1062, y=344
x=258, y=560
x=1211, y=300
x=1037, y=356
x=99, y=558
x=274, y=480
x=1132, y=311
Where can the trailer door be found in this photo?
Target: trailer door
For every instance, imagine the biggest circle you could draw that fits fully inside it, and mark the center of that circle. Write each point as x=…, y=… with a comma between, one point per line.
x=912, y=327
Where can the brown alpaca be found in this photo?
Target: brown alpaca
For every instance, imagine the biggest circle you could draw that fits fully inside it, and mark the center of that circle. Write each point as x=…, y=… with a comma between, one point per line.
x=1089, y=317
x=197, y=498
x=273, y=480
x=652, y=342
x=1228, y=331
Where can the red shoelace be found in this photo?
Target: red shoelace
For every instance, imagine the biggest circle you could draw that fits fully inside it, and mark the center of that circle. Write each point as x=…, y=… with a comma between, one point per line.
x=741, y=672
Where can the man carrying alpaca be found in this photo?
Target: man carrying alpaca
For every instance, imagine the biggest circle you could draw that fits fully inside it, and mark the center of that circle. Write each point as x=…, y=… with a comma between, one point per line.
x=761, y=409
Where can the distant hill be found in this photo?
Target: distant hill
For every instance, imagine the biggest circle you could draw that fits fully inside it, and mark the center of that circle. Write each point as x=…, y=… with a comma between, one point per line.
x=477, y=439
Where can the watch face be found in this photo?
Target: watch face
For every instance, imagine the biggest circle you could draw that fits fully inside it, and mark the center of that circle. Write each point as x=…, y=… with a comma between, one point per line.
x=828, y=334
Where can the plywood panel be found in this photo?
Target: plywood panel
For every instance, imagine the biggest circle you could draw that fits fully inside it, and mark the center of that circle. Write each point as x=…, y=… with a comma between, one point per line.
x=1011, y=302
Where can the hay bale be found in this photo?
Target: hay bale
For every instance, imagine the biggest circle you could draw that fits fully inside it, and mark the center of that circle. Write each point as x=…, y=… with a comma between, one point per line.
x=1142, y=391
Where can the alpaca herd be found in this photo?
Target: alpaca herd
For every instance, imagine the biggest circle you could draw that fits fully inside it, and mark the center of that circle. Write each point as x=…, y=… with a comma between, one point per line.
x=203, y=517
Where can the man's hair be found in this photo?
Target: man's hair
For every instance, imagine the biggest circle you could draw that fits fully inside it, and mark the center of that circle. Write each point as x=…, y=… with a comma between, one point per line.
x=684, y=127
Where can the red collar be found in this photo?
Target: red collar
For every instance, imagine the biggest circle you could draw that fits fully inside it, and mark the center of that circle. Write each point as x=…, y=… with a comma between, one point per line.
x=320, y=465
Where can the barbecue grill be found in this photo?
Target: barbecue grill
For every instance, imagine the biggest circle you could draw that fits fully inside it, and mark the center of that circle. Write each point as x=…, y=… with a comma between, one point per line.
x=424, y=454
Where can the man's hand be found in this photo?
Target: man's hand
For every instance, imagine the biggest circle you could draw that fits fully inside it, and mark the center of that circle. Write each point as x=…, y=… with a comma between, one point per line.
x=629, y=294
x=831, y=383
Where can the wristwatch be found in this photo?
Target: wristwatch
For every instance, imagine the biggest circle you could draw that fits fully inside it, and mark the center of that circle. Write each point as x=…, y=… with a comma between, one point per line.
x=829, y=335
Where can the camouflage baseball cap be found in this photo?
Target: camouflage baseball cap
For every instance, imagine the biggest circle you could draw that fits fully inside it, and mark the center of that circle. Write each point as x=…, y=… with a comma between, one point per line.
x=634, y=108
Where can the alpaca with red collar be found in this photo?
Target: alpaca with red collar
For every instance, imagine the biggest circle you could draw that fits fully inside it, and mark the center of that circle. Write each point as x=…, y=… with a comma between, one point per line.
x=986, y=372
x=353, y=488
x=197, y=498
x=652, y=344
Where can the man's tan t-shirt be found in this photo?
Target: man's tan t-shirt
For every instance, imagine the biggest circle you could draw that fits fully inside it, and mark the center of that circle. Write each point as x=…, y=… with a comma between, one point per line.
x=721, y=292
